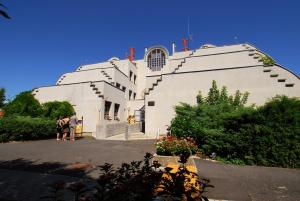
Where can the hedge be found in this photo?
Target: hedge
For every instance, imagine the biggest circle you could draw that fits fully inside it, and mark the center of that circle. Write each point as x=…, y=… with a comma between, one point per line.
x=20, y=128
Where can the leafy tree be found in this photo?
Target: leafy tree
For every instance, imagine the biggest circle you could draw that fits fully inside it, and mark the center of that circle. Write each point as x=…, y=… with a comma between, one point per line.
x=2, y=12
x=24, y=105
x=2, y=97
x=56, y=109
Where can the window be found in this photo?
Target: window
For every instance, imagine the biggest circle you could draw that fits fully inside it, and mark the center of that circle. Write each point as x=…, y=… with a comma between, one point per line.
x=151, y=103
x=130, y=93
x=134, y=79
x=134, y=95
x=116, y=112
x=156, y=59
x=130, y=75
x=118, y=85
x=123, y=88
x=106, y=110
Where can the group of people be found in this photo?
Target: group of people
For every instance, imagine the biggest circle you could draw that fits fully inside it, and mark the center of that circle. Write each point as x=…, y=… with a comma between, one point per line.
x=65, y=125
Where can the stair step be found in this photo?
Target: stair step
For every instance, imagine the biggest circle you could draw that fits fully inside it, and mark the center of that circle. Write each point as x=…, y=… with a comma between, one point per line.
x=267, y=70
x=289, y=85
x=95, y=88
x=274, y=75
x=98, y=92
x=251, y=50
x=101, y=96
x=281, y=80
x=251, y=54
x=256, y=57
x=92, y=85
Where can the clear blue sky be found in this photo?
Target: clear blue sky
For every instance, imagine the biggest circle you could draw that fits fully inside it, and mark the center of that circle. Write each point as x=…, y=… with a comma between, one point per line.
x=46, y=38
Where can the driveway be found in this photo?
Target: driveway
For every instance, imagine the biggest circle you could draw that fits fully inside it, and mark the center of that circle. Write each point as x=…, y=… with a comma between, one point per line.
x=27, y=167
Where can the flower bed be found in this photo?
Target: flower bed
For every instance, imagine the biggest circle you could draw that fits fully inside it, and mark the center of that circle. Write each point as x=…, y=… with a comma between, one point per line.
x=172, y=146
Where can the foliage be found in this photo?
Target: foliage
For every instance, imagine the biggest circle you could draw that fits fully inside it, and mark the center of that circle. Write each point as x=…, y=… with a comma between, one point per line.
x=171, y=146
x=3, y=13
x=24, y=105
x=268, y=135
x=56, y=109
x=136, y=181
x=2, y=97
x=268, y=61
x=18, y=128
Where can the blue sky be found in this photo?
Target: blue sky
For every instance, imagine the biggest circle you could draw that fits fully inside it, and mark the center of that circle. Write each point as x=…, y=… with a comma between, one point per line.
x=47, y=38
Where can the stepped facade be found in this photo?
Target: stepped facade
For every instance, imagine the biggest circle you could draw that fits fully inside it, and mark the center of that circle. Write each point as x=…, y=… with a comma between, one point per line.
x=106, y=93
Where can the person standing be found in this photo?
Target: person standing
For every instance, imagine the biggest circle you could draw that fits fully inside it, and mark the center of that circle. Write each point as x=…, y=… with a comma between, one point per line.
x=65, y=126
x=73, y=123
x=59, y=128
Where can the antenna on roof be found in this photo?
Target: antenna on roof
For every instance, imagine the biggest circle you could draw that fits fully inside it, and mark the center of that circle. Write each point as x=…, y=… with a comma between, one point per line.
x=236, y=40
x=189, y=34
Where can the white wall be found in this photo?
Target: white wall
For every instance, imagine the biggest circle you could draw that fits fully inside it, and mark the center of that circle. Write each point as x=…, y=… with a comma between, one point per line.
x=184, y=87
x=83, y=76
x=84, y=100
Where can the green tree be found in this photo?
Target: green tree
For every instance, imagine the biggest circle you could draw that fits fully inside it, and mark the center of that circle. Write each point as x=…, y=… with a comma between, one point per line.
x=2, y=12
x=56, y=109
x=24, y=105
x=2, y=97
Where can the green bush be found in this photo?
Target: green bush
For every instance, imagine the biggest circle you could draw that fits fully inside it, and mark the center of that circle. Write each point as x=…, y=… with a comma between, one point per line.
x=268, y=135
x=56, y=109
x=24, y=105
x=19, y=128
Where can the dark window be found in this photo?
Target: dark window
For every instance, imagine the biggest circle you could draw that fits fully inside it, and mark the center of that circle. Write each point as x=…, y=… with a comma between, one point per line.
x=116, y=112
x=151, y=103
x=130, y=75
x=118, y=85
x=106, y=110
x=123, y=88
x=134, y=79
x=156, y=59
x=134, y=95
x=130, y=93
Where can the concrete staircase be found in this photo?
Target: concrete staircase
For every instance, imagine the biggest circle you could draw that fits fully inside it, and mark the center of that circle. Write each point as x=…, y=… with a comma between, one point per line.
x=107, y=76
x=96, y=90
x=270, y=70
x=175, y=70
x=61, y=79
x=159, y=79
x=184, y=60
x=133, y=136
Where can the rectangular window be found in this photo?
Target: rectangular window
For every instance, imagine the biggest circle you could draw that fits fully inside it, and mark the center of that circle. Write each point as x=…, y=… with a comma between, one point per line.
x=151, y=103
x=134, y=79
x=107, y=110
x=130, y=93
x=118, y=85
x=123, y=88
x=134, y=95
x=130, y=75
x=116, y=112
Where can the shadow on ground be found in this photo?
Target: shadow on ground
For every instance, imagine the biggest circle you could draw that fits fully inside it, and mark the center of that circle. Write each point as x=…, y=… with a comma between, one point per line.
x=22, y=179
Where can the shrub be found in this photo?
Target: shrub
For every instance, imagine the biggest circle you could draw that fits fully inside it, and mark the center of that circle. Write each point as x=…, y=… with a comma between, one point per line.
x=171, y=146
x=268, y=135
x=19, y=128
x=56, y=109
x=24, y=105
x=139, y=181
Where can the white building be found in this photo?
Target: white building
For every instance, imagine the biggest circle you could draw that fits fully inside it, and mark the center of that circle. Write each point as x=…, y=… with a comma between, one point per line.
x=106, y=93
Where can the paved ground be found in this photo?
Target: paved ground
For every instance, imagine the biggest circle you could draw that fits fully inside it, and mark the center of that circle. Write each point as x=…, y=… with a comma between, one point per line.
x=27, y=167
